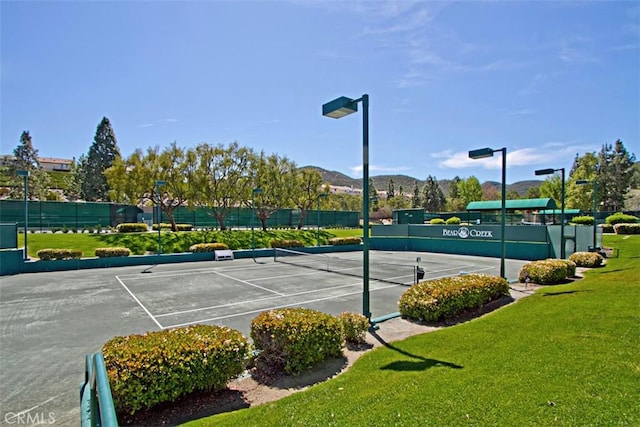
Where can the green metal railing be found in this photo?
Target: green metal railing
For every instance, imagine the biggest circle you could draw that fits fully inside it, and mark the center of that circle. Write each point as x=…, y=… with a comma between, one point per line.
x=96, y=402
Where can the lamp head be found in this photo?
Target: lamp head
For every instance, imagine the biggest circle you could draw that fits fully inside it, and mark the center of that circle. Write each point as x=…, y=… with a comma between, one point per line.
x=583, y=182
x=160, y=182
x=339, y=107
x=545, y=171
x=256, y=191
x=22, y=172
x=481, y=153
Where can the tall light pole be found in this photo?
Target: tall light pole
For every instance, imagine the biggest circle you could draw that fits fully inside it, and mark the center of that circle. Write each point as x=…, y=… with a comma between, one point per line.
x=320, y=196
x=253, y=215
x=551, y=171
x=336, y=109
x=159, y=183
x=488, y=152
x=595, y=205
x=25, y=175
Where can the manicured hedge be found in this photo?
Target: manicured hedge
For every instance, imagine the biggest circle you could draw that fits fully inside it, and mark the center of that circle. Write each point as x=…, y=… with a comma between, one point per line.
x=145, y=370
x=167, y=226
x=354, y=327
x=337, y=241
x=132, y=227
x=606, y=228
x=286, y=243
x=112, y=252
x=621, y=218
x=547, y=272
x=447, y=297
x=627, y=228
x=208, y=247
x=294, y=339
x=436, y=221
x=58, y=254
x=454, y=220
x=586, y=259
x=582, y=220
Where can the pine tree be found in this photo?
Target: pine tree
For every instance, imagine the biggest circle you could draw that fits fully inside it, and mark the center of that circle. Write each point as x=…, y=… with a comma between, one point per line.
x=433, y=199
x=416, y=201
x=26, y=158
x=102, y=154
x=615, y=174
x=391, y=191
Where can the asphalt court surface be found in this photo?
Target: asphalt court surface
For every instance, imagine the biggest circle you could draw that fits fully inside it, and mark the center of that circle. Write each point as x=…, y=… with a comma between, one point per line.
x=49, y=321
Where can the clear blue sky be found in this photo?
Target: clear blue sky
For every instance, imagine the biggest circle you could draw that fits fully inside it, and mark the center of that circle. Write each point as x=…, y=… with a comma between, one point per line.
x=547, y=80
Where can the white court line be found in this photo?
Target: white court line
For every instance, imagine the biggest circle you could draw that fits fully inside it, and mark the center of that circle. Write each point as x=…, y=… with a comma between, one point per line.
x=272, y=308
x=231, y=304
x=248, y=283
x=139, y=303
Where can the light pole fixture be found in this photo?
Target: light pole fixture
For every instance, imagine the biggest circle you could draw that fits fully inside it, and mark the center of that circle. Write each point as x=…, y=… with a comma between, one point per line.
x=551, y=171
x=25, y=175
x=336, y=109
x=488, y=152
x=253, y=215
x=595, y=205
x=158, y=184
x=320, y=196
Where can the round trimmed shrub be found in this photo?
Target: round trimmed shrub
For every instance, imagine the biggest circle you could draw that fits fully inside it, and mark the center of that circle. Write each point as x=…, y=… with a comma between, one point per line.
x=606, y=228
x=145, y=370
x=587, y=259
x=546, y=272
x=208, y=247
x=447, y=297
x=436, y=221
x=354, y=327
x=582, y=220
x=454, y=220
x=294, y=339
x=620, y=218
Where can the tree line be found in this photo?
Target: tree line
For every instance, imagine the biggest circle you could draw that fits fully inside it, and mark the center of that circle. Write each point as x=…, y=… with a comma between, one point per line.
x=220, y=177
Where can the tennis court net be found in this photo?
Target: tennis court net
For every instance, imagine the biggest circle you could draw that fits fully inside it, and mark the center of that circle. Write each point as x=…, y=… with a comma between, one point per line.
x=400, y=274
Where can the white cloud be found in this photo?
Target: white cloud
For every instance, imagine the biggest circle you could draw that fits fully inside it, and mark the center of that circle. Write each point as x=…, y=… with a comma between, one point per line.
x=146, y=125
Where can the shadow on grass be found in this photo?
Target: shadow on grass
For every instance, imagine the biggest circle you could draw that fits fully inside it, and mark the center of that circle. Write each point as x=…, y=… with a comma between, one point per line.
x=553, y=294
x=421, y=363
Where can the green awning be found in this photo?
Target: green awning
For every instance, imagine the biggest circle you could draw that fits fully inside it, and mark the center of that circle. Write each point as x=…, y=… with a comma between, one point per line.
x=559, y=211
x=519, y=204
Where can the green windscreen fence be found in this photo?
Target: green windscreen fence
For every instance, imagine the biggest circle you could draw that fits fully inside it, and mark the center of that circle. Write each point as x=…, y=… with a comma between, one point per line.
x=47, y=215
x=241, y=218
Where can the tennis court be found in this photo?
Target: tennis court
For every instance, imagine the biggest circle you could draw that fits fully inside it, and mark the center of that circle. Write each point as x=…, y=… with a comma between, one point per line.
x=49, y=321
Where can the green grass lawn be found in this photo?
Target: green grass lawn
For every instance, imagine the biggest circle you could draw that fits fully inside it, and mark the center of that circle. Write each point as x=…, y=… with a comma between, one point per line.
x=568, y=355
x=139, y=243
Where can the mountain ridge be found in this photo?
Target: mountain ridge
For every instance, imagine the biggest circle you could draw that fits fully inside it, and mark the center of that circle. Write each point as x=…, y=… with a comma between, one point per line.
x=381, y=182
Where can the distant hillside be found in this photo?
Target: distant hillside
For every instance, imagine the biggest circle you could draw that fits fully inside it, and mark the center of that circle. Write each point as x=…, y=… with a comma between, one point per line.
x=381, y=182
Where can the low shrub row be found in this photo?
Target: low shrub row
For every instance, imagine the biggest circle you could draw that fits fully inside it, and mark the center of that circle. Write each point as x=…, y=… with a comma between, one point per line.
x=623, y=228
x=112, y=252
x=149, y=369
x=208, y=247
x=338, y=241
x=132, y=227
x=586, y=259
x=547, y=272
x=447, y=297
x=58, y=254
x=145, y=370
x=437, y=221
x=167, y=226
x=286, y=243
